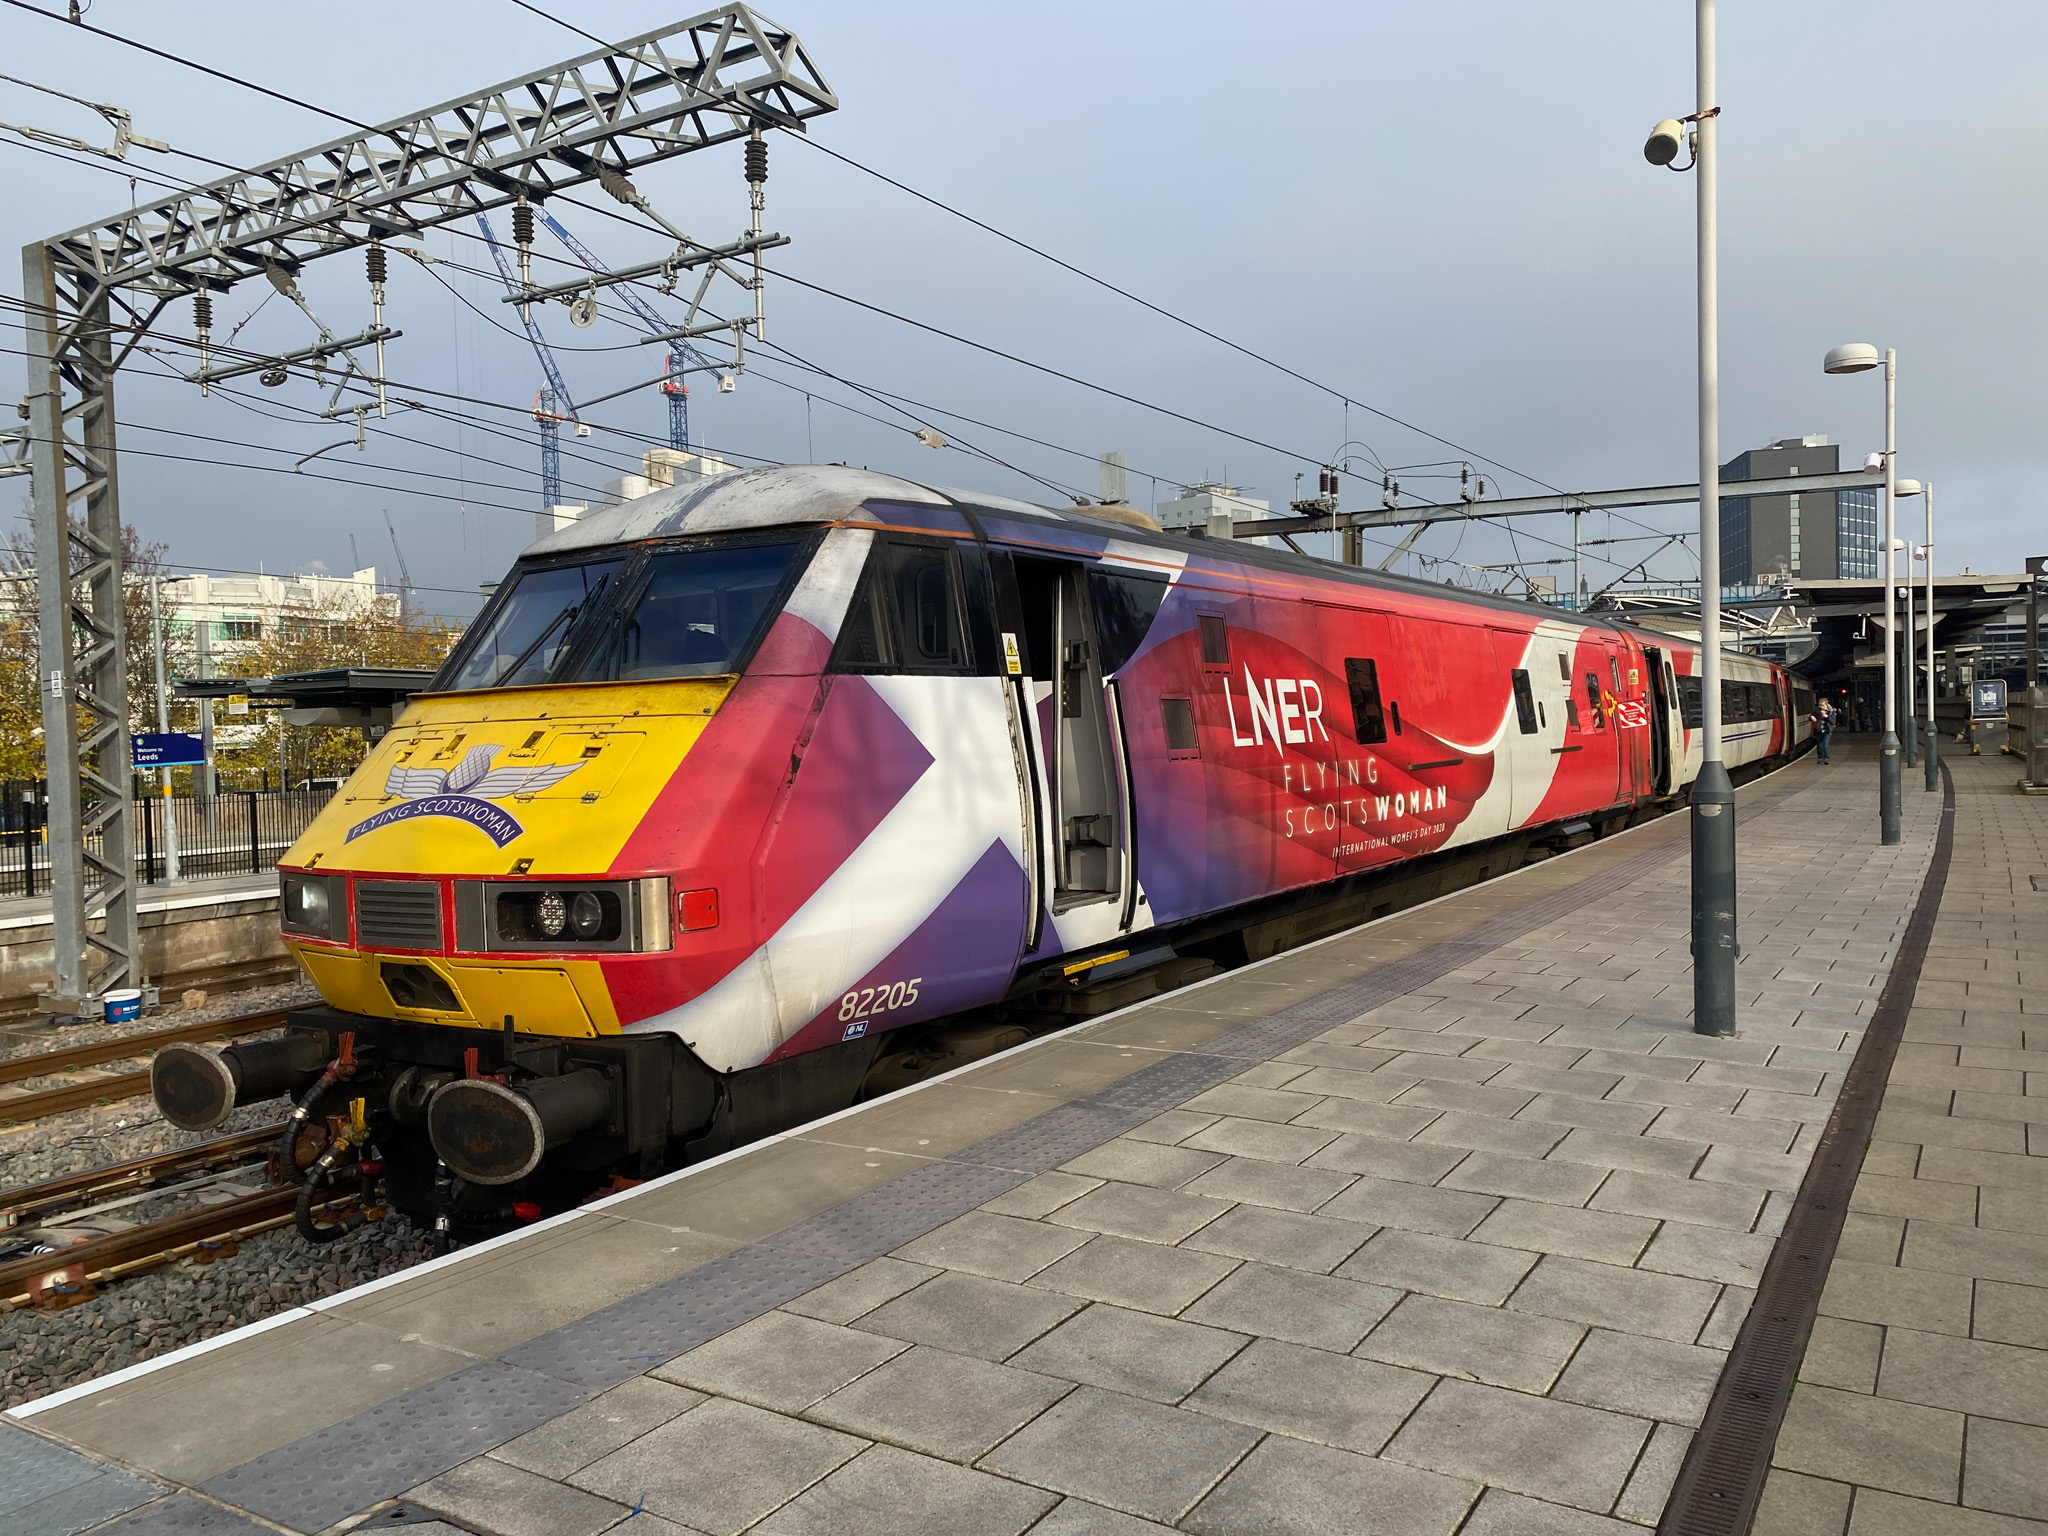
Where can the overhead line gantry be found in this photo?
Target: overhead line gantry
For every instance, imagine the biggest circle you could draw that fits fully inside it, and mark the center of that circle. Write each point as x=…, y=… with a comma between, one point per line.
x=94, y=292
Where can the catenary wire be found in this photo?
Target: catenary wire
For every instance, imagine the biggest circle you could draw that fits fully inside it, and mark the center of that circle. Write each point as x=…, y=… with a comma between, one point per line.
x=899, y=318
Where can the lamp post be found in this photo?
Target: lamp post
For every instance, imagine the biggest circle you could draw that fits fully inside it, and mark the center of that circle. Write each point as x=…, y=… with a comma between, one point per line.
x=1858, y=357
x=1932, y=756
x=1909, y=735
x=1713, y=793
x=1909, y=697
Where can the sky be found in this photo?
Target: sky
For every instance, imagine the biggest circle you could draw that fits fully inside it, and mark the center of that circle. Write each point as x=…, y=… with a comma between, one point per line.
x=1441, y=212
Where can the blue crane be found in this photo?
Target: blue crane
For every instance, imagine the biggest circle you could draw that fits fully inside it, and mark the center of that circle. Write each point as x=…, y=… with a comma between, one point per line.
x=553, y=404
x=679, y=352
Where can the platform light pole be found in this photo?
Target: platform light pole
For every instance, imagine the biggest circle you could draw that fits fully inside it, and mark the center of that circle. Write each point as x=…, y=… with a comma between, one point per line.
x=1909, y=702
x=1860, y=357
x=1926, y=754
x=1932, y=757
x=1713, y=793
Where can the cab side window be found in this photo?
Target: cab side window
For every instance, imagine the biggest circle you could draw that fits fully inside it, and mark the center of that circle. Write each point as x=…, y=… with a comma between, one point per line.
x=1368, y=716
x=1525, y=701
x=906, y=615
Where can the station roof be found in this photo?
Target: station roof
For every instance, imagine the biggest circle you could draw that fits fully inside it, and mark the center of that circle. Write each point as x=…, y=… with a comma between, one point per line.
x=338, y=688
x=1848, y=615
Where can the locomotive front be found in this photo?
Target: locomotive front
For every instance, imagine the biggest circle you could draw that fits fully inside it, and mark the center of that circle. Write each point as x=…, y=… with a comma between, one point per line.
x=531, y=860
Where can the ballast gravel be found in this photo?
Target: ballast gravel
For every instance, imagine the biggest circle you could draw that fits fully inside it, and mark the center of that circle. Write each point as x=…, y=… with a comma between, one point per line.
x=165, y=1309
x=127, y=1128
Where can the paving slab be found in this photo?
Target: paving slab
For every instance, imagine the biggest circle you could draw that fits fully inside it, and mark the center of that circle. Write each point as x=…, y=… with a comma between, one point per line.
x=1445, y=1223
x=1923, y=1396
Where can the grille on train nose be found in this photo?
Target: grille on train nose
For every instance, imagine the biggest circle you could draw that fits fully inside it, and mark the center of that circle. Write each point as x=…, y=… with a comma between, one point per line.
x=398, y=914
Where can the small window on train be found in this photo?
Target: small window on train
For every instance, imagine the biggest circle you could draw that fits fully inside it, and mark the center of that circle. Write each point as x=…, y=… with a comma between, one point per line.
x=1690, y=711
x=1394, y=709
x=1571, y=711
x=1215, y=640
x=1368, y=719
x=1564, y=667
x=906, y=615
x=1123, y=607
x=1525, y=701
x=1178, y=717
x=1614, y=671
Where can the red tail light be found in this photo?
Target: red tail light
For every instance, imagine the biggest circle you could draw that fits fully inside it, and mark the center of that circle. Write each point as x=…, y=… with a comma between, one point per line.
x=697, y=909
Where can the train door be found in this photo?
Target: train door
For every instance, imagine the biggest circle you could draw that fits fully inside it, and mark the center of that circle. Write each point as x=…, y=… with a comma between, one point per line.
x=1077, y=743
x=1631, y=721
x=1526, y=753
x=1663, y=707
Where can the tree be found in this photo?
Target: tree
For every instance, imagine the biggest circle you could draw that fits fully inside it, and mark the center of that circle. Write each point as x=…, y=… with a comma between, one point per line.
x=21, y=708
x=340, y=632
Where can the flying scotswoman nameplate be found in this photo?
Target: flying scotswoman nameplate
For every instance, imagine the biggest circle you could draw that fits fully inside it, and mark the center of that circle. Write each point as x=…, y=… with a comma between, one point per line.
x=464, y=793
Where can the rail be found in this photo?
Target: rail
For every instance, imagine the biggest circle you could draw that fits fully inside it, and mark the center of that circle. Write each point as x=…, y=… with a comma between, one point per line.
x=20, y=1107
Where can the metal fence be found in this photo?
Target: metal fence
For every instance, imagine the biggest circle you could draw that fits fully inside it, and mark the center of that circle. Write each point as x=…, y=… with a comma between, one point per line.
x=236, y=832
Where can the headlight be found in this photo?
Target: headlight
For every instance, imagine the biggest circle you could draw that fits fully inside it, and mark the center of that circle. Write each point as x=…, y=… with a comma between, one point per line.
x=614, y=916
x=550, y=913
x=311, y=906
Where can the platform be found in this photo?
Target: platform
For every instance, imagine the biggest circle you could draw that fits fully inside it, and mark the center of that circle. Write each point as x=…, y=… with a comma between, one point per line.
x=1445, y=1223
x=1922, y=1408
x=194, y=933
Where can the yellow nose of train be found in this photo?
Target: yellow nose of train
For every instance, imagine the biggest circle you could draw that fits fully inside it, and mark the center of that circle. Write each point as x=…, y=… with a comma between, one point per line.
x=396, y=904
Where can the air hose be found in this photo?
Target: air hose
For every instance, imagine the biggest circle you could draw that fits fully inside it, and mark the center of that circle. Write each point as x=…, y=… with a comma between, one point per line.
x=353, y=1135
x=338, y=1070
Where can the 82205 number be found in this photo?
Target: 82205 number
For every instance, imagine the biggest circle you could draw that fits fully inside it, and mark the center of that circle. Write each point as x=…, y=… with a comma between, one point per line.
x=871, y=1002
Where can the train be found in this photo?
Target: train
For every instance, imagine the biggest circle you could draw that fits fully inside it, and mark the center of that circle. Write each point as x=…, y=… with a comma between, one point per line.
x=744, y=799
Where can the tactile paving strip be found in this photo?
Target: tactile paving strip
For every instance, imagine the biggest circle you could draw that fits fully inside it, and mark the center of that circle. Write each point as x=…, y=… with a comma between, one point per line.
x=633, y=1336
x=343, y=1469
x=1050, y=1138
x=382, y=1451
x=50, y=1490
x=183, y=1516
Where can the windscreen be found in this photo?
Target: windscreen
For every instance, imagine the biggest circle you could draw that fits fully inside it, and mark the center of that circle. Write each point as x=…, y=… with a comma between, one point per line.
x=692, y=612
x=547, y=612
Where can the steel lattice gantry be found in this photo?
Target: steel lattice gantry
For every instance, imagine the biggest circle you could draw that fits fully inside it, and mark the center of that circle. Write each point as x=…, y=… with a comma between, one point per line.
x=95, y=291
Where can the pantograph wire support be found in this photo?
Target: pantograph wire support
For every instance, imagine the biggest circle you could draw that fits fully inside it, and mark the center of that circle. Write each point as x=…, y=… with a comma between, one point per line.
x=757, y=182
x=374, y=266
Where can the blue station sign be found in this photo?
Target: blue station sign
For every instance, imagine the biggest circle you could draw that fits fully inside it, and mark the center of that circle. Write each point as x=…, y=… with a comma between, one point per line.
x=167, y=749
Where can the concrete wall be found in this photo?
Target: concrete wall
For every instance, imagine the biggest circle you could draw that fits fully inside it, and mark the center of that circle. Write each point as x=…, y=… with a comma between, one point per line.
x=191, y=939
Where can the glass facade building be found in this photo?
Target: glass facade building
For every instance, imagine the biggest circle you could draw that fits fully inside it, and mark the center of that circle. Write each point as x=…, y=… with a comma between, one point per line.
x=1858, y=532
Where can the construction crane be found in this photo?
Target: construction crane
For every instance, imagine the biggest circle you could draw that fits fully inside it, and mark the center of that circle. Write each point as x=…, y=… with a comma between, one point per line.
x=553, y=405
x=404, y=575
x=679, y=352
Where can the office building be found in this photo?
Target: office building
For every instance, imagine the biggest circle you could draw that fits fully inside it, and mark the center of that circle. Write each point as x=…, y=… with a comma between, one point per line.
x=1818, y=536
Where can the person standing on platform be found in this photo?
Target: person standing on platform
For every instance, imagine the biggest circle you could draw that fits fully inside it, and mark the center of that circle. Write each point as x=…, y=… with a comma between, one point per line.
x=1823, y=718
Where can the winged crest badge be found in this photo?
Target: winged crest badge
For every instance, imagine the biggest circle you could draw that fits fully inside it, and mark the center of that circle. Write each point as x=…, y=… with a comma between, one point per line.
x=464, y=793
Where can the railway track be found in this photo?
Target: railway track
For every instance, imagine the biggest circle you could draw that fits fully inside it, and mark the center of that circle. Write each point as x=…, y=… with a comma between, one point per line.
x=18, y=1108
x=57, y=1213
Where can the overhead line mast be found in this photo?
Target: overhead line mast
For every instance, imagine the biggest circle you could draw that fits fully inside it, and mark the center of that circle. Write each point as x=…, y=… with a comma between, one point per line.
x=93, y=293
